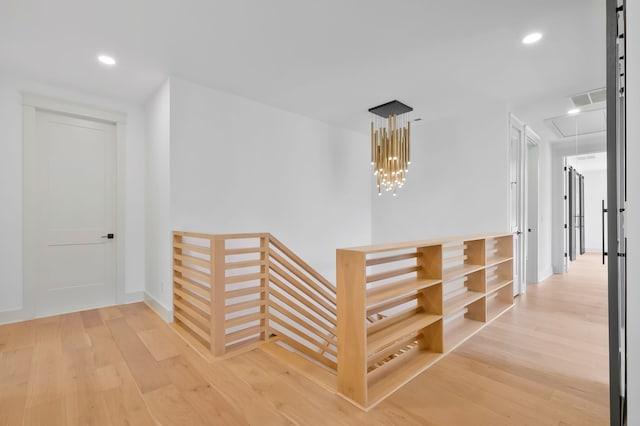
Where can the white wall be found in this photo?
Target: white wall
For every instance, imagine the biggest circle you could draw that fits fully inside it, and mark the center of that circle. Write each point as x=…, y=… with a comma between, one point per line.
x=241, y=166
x=157, y=196
x=544, y=211
x=633, y=211
x=11, y=289
x=595, y=190
x=457, y=182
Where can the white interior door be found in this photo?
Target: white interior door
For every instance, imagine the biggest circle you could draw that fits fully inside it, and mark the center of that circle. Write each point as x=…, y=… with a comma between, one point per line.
x=76, y=204
x=517, y=185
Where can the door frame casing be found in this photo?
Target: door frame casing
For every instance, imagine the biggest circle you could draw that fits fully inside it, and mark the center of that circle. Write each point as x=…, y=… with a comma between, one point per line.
x=31, y=104
x=532, y=140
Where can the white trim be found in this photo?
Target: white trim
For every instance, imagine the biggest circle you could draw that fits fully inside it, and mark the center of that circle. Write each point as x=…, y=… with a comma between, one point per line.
x=545, y=276
x=31, y=104
x=45, y=103
x=165, y=313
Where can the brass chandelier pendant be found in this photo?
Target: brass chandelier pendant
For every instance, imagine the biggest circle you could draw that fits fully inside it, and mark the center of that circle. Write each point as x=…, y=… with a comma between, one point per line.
x=390, y=151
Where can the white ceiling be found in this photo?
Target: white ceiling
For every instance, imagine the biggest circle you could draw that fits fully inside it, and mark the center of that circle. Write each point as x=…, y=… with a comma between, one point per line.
x=328, y=59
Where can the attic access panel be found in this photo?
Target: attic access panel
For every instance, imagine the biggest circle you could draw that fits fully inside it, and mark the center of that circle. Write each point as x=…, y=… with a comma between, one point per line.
x=588, y=122
x=390, y=108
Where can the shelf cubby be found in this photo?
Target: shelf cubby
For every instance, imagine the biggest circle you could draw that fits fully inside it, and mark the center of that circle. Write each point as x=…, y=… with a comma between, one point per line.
x=499, y=275
x=499, y=249
x=499, y=301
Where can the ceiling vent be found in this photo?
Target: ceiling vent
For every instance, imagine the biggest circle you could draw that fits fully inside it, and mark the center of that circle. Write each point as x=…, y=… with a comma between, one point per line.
x=592, y=97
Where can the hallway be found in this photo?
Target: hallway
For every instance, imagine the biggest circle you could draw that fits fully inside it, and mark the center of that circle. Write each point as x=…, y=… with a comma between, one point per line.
x=542, y=363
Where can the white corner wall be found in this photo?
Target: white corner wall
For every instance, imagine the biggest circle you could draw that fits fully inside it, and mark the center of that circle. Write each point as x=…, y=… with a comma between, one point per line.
x=545, y=268
x=633, y=211
x=11, y=289
x=595, y=190
x=157, y=198
x=241, y=166
x=457, y=182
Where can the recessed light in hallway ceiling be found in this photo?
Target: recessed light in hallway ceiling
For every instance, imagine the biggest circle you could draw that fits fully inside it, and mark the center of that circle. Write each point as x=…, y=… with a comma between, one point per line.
x=107, y=60
x=531, y=38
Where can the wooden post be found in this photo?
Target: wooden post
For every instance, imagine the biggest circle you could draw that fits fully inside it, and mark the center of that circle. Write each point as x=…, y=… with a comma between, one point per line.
x=352, y=333
x=264, y=286
x=217, y=245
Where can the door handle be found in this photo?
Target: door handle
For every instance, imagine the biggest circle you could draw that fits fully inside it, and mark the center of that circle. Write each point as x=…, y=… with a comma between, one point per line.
x=604, y=210
x=108, y=236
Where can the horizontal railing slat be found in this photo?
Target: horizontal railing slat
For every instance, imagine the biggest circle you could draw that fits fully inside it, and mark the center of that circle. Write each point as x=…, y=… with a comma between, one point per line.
x=242, y=334
x=237, y=307
x=244, y=278
x=245, y=319
x=232, y=294
x=192, y=260
x=184, y=270
x=194, y=287
x=194, y=300
x=194, y=248
x=192, y=327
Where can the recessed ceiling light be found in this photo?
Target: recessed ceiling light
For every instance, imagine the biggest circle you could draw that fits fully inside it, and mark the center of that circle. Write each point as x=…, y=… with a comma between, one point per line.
x=573, y=111
x=531, y=38
x=107, y=60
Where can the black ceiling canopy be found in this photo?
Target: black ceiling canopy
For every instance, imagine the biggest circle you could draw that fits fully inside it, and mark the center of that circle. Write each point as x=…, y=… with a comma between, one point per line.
x=390, y=108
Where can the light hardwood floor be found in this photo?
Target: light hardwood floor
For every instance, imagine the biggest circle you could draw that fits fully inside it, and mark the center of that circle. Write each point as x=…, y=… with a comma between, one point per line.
x=542, y=363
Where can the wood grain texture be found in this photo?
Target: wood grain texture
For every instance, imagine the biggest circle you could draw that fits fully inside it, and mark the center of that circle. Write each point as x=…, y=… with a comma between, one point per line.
x=542, y=363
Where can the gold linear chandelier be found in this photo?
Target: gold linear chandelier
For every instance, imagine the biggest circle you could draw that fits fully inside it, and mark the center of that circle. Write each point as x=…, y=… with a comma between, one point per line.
x=390, y=153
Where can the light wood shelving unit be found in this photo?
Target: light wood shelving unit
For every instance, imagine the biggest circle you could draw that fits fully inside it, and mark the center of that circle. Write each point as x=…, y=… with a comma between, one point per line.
x=402, y=307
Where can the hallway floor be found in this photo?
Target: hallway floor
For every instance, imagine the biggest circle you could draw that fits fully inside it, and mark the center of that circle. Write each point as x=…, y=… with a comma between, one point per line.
x=542, y=363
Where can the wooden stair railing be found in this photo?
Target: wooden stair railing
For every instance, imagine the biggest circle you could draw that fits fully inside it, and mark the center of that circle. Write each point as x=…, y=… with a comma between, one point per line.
x=397, y=309
x=234, y=291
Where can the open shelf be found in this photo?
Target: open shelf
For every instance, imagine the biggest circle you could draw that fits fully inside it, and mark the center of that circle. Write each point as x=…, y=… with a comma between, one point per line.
x=459, y=271
x=500, y=301
x=416, y=311
x=385, y=293
x=395, y=332
x=491, y=288
x=494, y=260
x=496, y=309
x=393, y=374
x=456, y=334
x=460, y=301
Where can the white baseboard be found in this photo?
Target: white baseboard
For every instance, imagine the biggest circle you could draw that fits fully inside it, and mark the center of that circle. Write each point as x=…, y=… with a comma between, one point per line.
x=14, y=315
x=545, y=275
x=165, y=313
